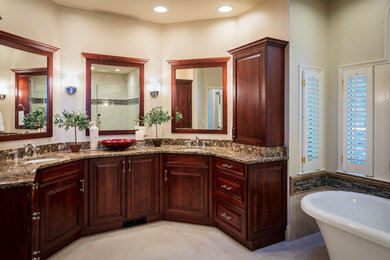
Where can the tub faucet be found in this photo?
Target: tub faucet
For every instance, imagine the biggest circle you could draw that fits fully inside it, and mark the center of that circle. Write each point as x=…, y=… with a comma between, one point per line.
x=34, y=152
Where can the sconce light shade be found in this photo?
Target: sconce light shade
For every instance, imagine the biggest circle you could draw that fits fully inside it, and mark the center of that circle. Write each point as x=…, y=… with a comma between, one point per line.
x=154, y=88
x=3, y=93
x=154, y=93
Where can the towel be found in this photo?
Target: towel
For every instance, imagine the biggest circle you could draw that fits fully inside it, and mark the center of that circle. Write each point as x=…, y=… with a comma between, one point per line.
x=21, y=117
x=2, y=129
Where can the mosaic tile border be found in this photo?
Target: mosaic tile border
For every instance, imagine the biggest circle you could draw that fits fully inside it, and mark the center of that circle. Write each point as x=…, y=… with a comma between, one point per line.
x=115, y=101
x=338, y=181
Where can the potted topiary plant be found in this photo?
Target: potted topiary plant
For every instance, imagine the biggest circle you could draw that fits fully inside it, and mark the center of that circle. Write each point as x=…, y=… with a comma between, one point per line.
x=36, y=119
x=157, y=116
x=74, y=119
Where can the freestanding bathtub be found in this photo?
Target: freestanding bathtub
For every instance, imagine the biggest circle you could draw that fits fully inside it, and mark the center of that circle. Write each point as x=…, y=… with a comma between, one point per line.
x=354, y=225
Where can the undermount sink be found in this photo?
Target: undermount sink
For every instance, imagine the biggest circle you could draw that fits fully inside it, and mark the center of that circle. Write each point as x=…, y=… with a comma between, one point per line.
x=192, y=149
x=40, y=160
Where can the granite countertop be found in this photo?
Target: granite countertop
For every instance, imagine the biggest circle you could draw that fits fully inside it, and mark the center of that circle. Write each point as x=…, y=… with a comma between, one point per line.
x=21, y=174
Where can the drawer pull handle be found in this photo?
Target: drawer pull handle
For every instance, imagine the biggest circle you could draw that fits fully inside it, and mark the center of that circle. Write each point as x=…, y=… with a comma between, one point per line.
x=82, y=189
x=166, y=175
x=226, y=187
x=227, y=166
x=226, y=216
x=123, y=167
x=129, y=169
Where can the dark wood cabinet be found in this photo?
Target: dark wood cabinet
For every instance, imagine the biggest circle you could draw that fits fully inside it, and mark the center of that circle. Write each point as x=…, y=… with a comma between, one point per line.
x=267, y=203
x=250, y=201
x=142, y=186
x=186, y=188
x=15, y=223
x=61, y=191
x=107, y=193
x=258, y=93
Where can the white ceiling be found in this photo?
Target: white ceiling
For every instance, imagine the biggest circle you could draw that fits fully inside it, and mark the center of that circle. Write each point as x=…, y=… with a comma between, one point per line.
x=178, y=10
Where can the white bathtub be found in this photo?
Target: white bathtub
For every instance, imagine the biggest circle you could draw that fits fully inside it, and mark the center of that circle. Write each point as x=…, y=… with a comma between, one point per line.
x=354, y=225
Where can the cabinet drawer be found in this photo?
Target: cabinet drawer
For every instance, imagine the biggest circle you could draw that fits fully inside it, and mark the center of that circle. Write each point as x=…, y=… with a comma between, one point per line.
x=186, y=160
x=231, y=189
x=231, y=167
x=230, y=217
x=60, y=172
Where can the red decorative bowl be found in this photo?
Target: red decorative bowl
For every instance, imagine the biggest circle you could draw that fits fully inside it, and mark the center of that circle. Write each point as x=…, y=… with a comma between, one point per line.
x=118, y=144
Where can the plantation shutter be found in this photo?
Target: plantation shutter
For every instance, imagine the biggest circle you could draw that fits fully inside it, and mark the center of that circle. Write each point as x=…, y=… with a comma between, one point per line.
x=358, y=121
x=312, y=115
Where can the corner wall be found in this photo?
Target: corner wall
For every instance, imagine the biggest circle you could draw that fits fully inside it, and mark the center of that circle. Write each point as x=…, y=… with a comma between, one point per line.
x=309, y=47
x=75, y=31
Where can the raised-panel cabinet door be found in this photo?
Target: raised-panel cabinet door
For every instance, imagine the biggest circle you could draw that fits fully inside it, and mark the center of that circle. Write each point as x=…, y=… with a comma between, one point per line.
x=60, y=213
x=267, y=199
x=258, y=93
x=250, y=97
x=107, y=190
x=142, y=186
x=186, y=191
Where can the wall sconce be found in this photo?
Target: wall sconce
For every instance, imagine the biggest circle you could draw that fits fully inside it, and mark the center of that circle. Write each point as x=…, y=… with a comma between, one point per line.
x=3, y=93
x=154, y=89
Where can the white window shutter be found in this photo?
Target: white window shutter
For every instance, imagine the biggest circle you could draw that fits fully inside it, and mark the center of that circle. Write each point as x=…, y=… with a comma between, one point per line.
x=312, y=119
x=358, y=121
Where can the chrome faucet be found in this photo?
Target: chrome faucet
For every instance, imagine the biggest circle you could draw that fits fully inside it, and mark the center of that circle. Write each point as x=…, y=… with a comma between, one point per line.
x=14, y=155
x=34, y=152
x=197, y=144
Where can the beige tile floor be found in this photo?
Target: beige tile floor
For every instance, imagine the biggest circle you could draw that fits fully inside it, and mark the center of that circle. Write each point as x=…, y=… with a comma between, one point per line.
x=173, y=240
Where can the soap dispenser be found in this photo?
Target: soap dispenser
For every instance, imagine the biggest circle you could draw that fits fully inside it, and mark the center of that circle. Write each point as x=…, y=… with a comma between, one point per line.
x=93, y=136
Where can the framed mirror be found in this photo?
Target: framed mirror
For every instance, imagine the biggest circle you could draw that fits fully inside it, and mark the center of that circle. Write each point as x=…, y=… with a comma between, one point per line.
x=26, y=88
x=198, y=92
x=115, y=92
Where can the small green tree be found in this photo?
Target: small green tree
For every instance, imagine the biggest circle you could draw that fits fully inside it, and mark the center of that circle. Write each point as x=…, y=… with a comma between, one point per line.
x=74, y=119
x=36, y=118
x=157, y=116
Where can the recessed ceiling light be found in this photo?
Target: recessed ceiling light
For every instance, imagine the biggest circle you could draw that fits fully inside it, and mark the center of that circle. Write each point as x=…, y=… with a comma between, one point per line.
x=117, y=70
x=225, y=9
x=160, y=9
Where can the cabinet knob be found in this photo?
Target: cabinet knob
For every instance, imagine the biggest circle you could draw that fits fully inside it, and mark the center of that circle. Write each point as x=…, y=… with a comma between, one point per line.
x=226, y=187
x=226, y=216
x=82, y=189
x=36, y=216
x=227, y=166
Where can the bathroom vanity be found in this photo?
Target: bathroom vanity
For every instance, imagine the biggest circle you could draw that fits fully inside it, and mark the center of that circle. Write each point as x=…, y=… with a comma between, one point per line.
x=56, y=202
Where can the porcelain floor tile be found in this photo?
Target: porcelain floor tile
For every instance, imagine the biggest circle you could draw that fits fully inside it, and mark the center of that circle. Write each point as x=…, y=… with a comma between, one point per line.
x=170, y=240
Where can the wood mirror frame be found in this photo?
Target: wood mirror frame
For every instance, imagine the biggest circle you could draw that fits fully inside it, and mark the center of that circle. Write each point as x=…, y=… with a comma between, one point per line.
x=193, y=64
x=24, y=44
x=92, y=58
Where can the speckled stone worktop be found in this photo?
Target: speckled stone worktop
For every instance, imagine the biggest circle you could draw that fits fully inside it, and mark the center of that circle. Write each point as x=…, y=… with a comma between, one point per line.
x=21, y=174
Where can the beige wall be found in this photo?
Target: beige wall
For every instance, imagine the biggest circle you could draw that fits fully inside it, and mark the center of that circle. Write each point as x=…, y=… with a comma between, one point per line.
x=213, y=38
x=332, y=34
x=28, y=18
x=308, y=46
x=75, y=31
x=356, y=35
